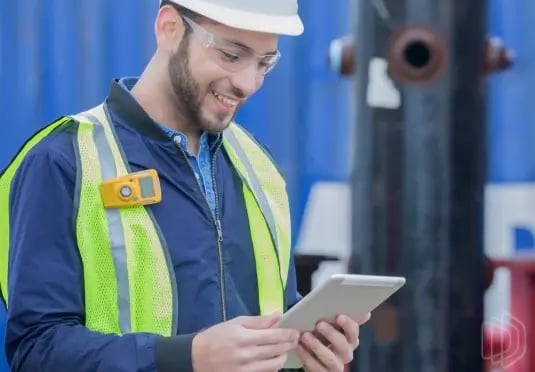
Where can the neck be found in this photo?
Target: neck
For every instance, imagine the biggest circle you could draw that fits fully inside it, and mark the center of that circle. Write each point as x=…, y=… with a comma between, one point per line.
x=153, y=93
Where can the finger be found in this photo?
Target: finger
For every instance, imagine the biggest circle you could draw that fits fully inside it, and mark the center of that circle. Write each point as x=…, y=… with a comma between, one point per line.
x=270, y=351
x=340, y=345
x=365, y=319
x=257, y=322
x=270, y=336
x=267, y=365
x=310, y=363
x=349, y=328
x=321, y=338
x=322, y=353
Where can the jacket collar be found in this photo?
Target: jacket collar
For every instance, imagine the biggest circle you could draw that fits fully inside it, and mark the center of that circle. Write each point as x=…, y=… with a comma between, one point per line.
x=122, y=104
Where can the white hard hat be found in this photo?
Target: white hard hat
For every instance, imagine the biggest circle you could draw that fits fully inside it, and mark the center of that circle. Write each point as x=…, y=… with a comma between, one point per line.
x=270, y=16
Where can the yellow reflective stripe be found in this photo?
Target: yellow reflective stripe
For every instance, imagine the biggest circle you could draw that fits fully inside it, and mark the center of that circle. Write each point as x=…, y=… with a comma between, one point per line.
x=145, y=290
x=271, y=296
x=94, y=141
x=5, y=187
x=254, y=183
x=274, y=189
x=153, y=300
x=265, y=197
x=92, y=230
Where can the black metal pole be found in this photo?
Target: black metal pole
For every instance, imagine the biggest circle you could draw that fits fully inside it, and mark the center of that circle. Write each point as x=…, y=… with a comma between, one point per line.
x=419, y=171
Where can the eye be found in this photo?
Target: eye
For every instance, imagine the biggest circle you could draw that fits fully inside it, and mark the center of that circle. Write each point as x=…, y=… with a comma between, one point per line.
x=229, y=56
x=267, y=63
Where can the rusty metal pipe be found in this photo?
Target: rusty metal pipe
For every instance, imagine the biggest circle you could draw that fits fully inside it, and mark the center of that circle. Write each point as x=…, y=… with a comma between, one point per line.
x=342, y=55
x=497, y=57
x=416, y=55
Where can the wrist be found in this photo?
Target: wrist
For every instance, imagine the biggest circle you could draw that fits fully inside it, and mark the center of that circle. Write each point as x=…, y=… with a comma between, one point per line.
x=198, y=357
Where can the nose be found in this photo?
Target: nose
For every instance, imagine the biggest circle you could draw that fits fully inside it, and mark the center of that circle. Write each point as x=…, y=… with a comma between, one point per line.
x=248, y=80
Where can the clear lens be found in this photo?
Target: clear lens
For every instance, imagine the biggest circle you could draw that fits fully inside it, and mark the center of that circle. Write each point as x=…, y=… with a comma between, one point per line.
x=229, y=59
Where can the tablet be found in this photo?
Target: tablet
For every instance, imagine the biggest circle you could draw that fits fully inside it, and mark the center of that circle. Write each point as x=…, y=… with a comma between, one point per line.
x=348, y=294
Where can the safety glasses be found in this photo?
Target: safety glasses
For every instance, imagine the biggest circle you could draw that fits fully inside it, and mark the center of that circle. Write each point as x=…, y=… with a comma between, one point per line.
x=230, y=56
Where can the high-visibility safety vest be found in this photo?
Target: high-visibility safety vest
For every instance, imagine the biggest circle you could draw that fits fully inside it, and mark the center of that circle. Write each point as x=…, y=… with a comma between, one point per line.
x=128, y=278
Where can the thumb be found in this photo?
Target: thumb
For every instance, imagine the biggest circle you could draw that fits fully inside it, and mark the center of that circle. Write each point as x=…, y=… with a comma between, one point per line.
x=258, y=322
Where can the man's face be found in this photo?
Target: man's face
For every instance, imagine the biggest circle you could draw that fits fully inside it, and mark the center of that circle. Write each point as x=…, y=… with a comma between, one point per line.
x=207, y=94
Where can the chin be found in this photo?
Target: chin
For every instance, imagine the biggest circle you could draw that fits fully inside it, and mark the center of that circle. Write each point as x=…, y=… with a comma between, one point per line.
x=216, y=125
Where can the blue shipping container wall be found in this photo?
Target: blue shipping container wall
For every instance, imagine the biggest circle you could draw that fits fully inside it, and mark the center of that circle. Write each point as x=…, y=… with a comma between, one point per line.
x=58, y=57
x=511, y=112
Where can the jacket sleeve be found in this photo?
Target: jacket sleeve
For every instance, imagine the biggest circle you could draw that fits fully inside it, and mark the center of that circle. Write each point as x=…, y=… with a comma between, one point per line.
x=45, y=320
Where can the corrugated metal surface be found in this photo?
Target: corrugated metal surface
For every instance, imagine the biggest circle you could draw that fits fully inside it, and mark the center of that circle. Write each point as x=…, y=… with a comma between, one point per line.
x=59, y=56
x=511, y=108
x=511, y=190
x=510, y=194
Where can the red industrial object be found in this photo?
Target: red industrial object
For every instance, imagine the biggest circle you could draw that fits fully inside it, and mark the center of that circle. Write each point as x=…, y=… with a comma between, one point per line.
x=497, y=343
x=509, y=345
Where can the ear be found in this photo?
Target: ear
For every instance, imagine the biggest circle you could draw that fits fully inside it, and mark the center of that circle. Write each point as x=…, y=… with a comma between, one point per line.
x=169, y=28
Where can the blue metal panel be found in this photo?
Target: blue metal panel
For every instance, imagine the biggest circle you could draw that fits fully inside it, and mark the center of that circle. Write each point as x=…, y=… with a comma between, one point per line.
x=512, y=131
x=511, y=108
x=60, y=58
x=302, y=112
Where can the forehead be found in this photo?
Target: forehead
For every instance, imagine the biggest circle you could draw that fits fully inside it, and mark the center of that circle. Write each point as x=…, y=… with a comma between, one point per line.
x=259, y=42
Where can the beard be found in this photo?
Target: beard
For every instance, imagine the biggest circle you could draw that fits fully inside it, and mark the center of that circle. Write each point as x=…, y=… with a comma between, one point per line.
x=187, y=93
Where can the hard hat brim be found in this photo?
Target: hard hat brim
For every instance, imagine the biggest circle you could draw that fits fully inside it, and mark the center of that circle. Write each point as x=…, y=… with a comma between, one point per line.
x=245, y=20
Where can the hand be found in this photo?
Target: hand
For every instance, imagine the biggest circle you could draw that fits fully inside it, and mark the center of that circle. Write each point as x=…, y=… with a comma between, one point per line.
x=338, y=348
x=243, y=344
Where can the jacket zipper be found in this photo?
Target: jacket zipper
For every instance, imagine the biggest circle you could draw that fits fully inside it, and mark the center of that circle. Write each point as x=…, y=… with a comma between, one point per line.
x=217, y=224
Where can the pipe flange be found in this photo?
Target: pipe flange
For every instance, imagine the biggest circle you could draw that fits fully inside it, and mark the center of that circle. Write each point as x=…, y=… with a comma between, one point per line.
x=416, y=55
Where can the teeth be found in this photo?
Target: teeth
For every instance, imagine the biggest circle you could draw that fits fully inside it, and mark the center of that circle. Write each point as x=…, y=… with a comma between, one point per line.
x=225, y=100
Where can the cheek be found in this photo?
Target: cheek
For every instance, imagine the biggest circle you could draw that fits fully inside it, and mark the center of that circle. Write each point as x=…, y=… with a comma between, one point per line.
x=206, y=72
x=211, y=78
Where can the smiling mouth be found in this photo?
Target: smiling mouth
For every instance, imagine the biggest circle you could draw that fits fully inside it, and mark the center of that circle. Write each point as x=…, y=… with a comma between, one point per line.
x=229, y=102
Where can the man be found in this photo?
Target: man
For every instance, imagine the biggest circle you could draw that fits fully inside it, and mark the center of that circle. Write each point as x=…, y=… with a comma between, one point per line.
x=152, y=234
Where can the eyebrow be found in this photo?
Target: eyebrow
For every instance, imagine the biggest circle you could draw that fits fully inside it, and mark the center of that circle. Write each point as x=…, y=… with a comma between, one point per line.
x=248, y=48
